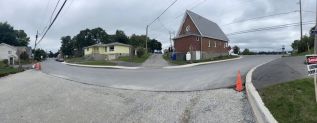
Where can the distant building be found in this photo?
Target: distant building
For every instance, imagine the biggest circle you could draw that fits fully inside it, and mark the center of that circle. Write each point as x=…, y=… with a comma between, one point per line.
x=201, y=37
x=107, y=51
x=10, y=52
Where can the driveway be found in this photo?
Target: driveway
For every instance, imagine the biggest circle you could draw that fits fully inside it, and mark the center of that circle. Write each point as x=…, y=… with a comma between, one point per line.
x=278, y=71
x=35, y=97
x=155, y=61
x=204, y=77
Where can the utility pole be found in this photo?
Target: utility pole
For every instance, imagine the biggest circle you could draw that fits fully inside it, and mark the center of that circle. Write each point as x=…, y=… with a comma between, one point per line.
x=36, y=36
x=147, y=29
x=315, y=52
x=301, y=23
x=171, y=41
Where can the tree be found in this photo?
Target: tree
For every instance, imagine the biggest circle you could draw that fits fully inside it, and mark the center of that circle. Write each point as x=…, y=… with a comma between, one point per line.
x=153, y=44
x=22, y=38
x=50, y=54
x=236, y=49
x=67, y=47
x=39, y=54
x=121, y=37
x=83, y=39
x=100, y=35
x=12, y=37
x=137, y=40
x=24, y=56
x=247, y=52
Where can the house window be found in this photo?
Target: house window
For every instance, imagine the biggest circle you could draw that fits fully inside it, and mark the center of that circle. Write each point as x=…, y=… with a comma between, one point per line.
x=209, y=43
x=197, y=38
x=225, y=45
x=87, y=49
x=106, y=49
x=215, y=43
x=96, y=49
x=187, y=28
x=111, y=48
x=9, y=52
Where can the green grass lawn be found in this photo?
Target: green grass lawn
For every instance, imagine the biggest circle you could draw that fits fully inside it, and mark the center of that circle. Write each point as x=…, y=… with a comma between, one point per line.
x=292, y=102
x=105, y=63
x=183, y=62
x=302, y=54
x=6, y=70
x=81, y=60
x=135, y=59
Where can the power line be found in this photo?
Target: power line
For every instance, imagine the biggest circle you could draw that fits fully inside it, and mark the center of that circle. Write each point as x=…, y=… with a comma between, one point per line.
x=52, y=21
x=269, y=28
x=53, y=11
x=163, y=12
x=147, y=26
x=260, y=17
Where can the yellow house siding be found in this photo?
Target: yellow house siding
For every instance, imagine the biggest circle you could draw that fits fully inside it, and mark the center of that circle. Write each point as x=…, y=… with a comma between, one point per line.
x=120, y=49
x=89, y=51
x=102, y=50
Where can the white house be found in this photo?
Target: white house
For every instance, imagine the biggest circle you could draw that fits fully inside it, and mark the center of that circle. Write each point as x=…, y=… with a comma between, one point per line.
x=10, y=52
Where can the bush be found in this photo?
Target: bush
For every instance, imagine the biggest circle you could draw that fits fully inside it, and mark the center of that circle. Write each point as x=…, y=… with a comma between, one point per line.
x=24, y=56
x=140, y=52
x=5, y=61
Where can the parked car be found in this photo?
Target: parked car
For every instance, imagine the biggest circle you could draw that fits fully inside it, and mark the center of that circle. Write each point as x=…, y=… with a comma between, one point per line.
x=59, y=59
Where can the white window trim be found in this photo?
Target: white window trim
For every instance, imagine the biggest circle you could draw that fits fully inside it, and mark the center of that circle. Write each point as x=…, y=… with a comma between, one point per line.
x=197, y=38
x=215, y=44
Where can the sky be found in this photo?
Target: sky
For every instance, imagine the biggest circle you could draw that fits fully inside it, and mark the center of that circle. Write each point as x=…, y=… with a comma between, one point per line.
x=132, y=16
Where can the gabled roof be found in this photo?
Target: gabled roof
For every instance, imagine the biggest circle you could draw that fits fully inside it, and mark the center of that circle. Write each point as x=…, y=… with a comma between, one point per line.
x=109, y=44
x=4, y=44
x=206, y=27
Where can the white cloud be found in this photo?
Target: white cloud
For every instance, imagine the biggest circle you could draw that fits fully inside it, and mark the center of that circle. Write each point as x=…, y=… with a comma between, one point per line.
x=132, y=16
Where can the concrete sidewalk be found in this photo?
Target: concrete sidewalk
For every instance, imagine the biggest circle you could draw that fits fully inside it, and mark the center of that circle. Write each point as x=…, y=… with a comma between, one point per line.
x=35, y=97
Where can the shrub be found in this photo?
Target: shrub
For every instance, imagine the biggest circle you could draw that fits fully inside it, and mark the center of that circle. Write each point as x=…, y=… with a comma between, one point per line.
x=140, y=52
x=5, y=61
x=24, y=56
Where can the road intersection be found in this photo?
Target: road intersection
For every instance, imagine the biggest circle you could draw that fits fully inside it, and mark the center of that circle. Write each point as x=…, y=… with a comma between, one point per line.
x=204, y=77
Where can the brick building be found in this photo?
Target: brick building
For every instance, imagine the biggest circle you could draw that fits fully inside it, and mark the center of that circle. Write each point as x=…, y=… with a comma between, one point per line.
x=201, y=37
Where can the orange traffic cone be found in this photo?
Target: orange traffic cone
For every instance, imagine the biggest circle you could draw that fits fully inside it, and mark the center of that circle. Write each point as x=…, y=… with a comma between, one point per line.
x=239, y=82
x=39, y=66
x=36, y=66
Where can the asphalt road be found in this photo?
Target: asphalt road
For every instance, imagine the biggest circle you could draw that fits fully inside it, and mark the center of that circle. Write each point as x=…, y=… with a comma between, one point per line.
x=155, y=61
x=35, y=97
x=211, y=76
x=279, y=71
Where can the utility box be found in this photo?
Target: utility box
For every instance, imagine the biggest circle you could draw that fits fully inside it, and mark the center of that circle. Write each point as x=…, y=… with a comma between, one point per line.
x=188, y=56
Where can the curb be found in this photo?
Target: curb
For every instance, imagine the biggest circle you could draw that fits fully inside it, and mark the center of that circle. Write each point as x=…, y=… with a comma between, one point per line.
x=101, y=66
x=196, y=64
x=260, y=111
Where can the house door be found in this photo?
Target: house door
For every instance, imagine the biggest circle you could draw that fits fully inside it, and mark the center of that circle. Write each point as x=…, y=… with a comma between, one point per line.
x=11, y=61
x=197, y=54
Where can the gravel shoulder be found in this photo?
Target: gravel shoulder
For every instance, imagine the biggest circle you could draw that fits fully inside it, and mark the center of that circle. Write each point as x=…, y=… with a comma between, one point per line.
x=33, y=96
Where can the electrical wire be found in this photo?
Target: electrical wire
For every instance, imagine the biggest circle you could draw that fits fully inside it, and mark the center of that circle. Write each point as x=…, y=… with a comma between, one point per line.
x=49, y=27
x=260, y=17
x=163, y=12
x=269, y=28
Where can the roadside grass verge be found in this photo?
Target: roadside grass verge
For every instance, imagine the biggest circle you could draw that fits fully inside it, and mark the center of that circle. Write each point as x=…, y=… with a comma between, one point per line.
x=183, y=62
x=292, y=102
x=6, y=70
x=105, y=63
x=302, y=54
x=134, y=59
x=81, y=60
